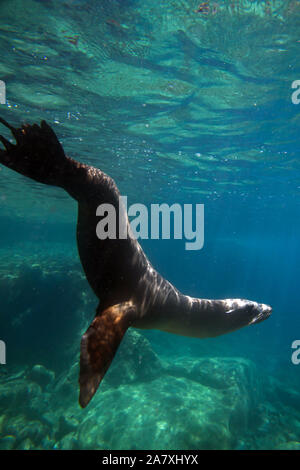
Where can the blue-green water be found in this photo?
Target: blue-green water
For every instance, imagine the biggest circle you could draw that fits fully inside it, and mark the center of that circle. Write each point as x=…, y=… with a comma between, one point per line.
x=177, y=105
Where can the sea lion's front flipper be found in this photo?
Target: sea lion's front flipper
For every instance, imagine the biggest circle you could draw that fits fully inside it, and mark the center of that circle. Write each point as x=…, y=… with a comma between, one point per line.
x=99, y=345
x=36, y=154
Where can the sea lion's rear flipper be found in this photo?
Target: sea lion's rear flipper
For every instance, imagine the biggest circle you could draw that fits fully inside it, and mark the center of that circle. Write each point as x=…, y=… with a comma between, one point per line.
x=99, y=345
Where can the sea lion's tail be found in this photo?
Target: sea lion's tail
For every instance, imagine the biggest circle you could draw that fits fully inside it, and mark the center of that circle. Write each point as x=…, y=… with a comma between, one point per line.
x=99, y=345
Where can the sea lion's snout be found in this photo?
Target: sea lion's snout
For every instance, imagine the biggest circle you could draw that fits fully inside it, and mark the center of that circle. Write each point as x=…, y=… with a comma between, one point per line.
x=263, y=312
x=247, y=312
x=256, y=312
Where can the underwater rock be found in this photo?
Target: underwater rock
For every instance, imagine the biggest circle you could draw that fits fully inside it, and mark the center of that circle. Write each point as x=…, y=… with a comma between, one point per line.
x=7, y=442
x=23, y=428
x=67, y=385
x=219, y=373
x=237, y=378
x=40, y=375
x=2, y=421
x=292, y=445
x=66, y=425
x=46, y=443
x=47, y=294
x=25, y=445
x=68, y=442
x=191, y=403
x=17, y=394
x=175, y=410
x=134, y=361
x=166, y=413
x=288, y=396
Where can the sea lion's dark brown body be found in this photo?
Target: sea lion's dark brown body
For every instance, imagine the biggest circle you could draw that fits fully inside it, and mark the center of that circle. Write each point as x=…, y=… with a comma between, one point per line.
x=130, y=291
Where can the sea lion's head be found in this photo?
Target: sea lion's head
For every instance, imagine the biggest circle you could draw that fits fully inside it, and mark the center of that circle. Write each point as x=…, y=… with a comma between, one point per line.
x=246, y=311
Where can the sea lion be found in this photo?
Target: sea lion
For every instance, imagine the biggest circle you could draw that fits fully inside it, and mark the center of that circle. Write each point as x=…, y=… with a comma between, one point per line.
x=131, y=292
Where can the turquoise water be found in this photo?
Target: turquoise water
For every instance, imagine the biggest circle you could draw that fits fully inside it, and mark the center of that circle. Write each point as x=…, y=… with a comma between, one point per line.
x=178, y=106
